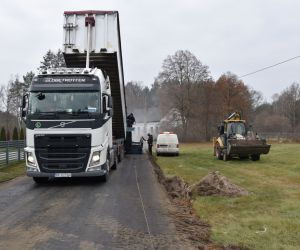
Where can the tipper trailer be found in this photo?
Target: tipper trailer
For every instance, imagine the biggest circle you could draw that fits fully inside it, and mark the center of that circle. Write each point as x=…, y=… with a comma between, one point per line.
x=76, y=116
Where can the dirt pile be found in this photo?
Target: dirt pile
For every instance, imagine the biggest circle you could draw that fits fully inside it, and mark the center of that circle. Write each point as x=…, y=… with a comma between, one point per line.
x=216, y=184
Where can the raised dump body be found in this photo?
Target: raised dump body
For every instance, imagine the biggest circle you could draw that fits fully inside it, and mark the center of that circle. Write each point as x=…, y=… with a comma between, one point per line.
x=105, y=53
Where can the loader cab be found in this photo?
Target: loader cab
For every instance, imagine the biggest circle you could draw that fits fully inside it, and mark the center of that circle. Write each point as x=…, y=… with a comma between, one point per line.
x=235, y=128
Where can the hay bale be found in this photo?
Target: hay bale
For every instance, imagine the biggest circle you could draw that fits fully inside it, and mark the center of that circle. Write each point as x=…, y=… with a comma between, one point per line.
x=216, y=184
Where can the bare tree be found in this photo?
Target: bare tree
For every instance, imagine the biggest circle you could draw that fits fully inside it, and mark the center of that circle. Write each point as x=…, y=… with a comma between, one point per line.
x=6, y=105
x=287, y=104
x=233, y=95
x=178, y=80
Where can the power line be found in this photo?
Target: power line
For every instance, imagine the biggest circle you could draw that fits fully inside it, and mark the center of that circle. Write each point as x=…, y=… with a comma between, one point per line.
x=259, y=70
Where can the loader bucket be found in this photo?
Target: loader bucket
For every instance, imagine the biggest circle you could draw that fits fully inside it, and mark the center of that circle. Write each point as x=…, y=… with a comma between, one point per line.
x=247, y=147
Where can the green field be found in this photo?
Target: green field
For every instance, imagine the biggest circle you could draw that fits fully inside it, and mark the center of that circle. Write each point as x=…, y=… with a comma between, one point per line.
x=12, y=171
x=267, y=219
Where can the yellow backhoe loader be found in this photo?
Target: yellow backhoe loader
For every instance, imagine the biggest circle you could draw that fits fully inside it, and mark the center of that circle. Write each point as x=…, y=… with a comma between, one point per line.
x=236, y=140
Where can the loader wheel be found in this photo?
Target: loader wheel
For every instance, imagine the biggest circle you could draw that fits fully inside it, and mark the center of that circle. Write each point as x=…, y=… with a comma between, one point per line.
x=255, y=157
x=218, y=152
x=225, y=157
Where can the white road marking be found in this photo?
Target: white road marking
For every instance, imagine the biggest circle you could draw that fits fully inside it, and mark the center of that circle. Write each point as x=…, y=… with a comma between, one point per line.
x=143, y=207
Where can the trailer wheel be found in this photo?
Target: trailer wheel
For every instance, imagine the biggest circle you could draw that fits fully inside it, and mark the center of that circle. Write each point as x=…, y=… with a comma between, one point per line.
x=255, y=157
x=40, y=180
x=218, y=152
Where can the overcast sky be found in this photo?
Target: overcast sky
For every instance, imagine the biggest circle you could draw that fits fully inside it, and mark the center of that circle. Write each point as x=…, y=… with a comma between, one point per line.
x=227, y=35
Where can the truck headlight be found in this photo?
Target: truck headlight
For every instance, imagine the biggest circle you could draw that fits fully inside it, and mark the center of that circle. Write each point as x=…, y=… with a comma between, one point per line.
x=31, y=159
x=95, y=159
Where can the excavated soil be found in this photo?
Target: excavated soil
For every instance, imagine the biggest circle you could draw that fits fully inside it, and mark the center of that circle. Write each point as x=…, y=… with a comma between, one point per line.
x=185, y=218
x=216, y=184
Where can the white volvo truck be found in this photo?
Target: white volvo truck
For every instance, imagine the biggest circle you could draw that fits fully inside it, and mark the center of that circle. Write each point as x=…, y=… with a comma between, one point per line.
x=76, y=116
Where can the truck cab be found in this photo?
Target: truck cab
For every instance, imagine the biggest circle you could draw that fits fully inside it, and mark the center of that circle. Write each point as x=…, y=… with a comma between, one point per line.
x=69, y=124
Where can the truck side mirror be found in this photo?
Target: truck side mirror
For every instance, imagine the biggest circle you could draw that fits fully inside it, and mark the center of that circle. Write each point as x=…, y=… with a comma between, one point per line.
x=110, y=102
x=24, y=107
x=107, y=103
x=104, y=104
x=110, y=112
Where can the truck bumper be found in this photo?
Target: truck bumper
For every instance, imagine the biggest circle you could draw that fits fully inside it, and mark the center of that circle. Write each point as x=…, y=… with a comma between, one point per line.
x=66, y=174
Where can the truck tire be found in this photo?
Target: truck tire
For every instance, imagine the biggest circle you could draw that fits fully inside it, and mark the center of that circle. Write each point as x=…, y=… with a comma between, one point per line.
x=40, y=180
x=116, y=162
x=121, y=155
x=218, y=152
x=105, y=177
x=255, y=157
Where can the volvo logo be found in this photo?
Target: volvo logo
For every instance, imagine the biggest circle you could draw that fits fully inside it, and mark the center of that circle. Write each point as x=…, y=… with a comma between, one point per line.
x=62, y=124
x=38, y=124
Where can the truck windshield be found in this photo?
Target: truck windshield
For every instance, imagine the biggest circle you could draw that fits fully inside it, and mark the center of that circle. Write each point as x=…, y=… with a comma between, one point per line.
x=64, y=102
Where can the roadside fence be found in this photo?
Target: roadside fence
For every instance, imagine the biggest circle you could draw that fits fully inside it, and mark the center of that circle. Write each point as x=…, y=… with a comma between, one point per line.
x=11, y=151
x=281, y=137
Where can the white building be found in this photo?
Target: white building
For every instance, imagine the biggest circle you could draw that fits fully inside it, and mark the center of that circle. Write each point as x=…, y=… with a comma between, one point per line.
x=172, y=120
x=143, y=128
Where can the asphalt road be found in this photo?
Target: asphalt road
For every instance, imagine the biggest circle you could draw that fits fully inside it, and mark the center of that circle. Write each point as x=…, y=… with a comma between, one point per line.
x=131, y=211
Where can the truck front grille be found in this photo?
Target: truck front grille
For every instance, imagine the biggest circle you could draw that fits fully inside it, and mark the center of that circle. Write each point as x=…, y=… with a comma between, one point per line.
x=62, y=153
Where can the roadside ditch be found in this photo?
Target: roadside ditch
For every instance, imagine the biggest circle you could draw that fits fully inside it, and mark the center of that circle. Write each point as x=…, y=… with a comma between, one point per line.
x=186, y=220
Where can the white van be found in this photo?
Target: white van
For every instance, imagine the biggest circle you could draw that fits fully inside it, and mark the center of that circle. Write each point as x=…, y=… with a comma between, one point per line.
x=167, y=143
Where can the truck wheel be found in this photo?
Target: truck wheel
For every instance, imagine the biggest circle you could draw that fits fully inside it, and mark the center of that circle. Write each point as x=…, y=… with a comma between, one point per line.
x=255, y=157
x=218, y=152
x=105, y=177
x=40, y=180
x=115, y=166
x=121, y=155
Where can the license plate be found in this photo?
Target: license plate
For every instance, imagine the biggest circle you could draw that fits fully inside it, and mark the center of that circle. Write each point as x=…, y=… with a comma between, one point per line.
x=63, y=175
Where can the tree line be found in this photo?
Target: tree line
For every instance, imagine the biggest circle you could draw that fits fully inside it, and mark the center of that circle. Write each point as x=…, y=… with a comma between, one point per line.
x=185, y=94
x=194, y=103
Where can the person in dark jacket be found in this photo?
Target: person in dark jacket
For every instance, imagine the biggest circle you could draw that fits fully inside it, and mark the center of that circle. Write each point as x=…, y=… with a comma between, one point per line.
x=130, y=120
x=150, y=143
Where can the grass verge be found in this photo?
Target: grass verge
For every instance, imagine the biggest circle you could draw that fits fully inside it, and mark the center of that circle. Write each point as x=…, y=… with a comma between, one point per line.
x=267, y=219
x=12, y=171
